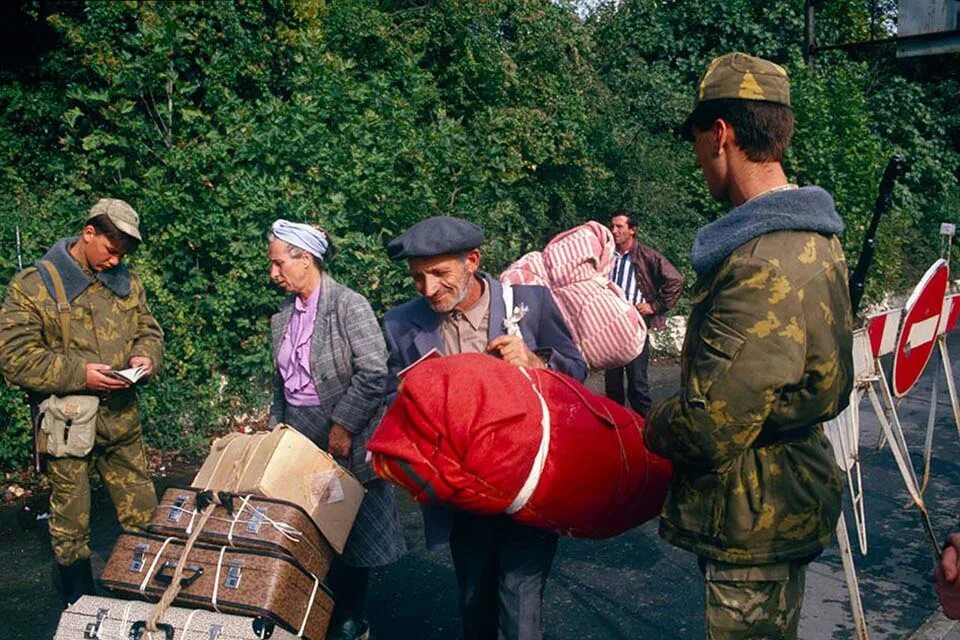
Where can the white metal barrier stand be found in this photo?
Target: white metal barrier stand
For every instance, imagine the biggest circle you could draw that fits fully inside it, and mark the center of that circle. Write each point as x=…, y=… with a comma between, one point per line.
x=898, y=446
x=844, y=435
x=850, y=574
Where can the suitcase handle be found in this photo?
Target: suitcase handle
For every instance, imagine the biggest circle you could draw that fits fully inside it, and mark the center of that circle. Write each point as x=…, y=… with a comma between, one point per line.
x=161, y=576
x=139, y=630
x=262, y=628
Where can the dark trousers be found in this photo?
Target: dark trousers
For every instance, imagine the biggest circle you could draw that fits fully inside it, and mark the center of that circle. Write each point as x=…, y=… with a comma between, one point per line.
x=638, y=387
x=349, y=586
x=501, y=567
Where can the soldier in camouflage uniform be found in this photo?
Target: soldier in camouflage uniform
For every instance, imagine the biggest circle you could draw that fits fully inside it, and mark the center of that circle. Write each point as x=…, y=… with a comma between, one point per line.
x=766, y=359
x=110, y=328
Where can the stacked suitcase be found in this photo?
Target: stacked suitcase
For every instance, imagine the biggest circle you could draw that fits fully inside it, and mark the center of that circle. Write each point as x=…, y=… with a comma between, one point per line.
x=112, y=619
x=256, y=569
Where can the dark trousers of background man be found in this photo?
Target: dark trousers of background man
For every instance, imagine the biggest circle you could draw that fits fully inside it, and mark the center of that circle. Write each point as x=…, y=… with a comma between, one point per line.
x=502, y=567
x=638, y=387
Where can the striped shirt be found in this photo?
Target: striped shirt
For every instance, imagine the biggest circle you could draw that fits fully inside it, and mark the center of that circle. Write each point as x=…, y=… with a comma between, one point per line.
x=624, y=276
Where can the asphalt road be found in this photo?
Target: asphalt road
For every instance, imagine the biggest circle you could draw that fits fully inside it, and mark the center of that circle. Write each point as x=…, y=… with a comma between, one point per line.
x=632, y=586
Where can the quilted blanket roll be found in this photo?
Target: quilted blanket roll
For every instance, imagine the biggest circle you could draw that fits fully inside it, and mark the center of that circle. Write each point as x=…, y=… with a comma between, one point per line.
x=488, y=437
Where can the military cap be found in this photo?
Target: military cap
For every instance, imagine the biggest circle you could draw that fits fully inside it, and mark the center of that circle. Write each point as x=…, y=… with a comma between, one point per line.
x=436, y=236
x=740, y=76
x=120, y=213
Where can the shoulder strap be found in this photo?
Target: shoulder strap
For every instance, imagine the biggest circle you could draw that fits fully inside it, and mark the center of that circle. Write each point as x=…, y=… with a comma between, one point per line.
x=63, y=307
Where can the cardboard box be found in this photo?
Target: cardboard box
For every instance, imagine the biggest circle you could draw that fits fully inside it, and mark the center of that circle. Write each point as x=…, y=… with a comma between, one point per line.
x=284, y=464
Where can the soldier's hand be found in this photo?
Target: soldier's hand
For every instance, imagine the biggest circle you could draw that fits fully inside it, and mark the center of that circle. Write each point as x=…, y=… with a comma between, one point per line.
x=98, y=380
x=339, y=442
x=515, y=351
x=144, y=363
x=948, y=585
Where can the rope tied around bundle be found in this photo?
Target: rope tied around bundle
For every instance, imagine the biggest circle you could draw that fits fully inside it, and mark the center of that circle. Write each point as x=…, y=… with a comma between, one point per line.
x=206, y=503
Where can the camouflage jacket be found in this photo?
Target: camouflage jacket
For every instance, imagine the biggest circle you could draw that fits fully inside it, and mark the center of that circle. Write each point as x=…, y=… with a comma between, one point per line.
x=109, y=323
x=766, y=359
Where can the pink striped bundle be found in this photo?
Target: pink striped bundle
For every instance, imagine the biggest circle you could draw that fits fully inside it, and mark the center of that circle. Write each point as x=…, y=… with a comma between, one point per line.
x=528, y=269
x=607, y=329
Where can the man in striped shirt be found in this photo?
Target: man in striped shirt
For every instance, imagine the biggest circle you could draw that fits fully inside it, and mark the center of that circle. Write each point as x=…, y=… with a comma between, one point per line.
x=653, y=285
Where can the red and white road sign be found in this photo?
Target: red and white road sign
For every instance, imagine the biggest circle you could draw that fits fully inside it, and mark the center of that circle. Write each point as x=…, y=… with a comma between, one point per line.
x=882, y=329
x=920, y=326
x=951, y=312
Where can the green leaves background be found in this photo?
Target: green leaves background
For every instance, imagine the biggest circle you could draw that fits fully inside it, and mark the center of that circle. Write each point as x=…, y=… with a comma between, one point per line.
x=214, y=118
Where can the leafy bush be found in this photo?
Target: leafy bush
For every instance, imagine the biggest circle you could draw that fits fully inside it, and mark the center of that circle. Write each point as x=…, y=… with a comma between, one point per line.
x=214, y=119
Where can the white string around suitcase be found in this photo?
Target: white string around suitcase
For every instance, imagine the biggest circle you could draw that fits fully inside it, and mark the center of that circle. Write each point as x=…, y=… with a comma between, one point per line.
x=287, y=530
x=186, y=625
x=153, y=565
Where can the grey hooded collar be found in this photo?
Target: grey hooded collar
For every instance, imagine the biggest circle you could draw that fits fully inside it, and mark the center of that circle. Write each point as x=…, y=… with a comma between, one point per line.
x=75, y=280
x=803, y=209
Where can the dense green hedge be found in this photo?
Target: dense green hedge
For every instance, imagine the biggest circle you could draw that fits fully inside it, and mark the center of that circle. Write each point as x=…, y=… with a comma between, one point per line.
x=215, y=118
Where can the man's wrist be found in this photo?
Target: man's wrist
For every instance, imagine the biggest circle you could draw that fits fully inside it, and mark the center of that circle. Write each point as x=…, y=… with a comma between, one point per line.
x=544, y=356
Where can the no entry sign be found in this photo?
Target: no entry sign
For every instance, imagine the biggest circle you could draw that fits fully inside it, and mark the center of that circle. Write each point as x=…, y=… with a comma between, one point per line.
x=920, y=328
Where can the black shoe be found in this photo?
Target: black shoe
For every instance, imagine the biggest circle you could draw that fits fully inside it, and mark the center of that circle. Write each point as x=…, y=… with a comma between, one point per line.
x=351, y=630
x=76, y=580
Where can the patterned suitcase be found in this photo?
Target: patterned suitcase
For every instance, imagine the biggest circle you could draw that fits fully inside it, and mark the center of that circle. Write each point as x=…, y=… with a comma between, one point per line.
x=248, y=522
x=95, y=618
x=244, y=582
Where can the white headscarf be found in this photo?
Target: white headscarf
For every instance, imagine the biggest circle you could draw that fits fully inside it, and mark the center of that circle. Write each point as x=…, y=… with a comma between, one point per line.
x=302, y=236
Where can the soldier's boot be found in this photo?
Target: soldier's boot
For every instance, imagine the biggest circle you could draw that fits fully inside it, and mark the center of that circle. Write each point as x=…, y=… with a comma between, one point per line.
x=76, y=580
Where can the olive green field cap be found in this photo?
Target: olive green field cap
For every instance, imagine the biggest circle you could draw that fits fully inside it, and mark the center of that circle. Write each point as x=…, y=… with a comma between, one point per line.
x=121, y=215
x=739, y=76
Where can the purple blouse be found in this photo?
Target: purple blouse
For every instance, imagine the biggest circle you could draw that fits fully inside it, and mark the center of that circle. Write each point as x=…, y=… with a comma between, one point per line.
x=293, y=359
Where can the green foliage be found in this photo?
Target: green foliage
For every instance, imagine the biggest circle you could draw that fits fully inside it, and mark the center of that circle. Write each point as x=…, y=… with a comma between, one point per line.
x=215, y=118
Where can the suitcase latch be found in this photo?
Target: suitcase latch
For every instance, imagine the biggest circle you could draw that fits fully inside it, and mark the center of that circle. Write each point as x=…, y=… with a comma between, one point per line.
x=139, y=552
x=177, y=510
x=216, y=630
x=233, y=574
x=92, y=632
x=256, y=520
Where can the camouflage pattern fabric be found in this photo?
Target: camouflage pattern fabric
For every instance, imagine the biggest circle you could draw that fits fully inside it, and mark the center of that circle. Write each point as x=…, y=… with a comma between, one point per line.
x=753, y=602
x=105, y=328
x=766, y=359
x=743, y=77
x=122, y=464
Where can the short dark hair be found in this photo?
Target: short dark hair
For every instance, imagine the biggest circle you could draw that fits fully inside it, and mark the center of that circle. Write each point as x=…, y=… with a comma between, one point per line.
x=764, y=129
x=632, y=220
x=104, y=226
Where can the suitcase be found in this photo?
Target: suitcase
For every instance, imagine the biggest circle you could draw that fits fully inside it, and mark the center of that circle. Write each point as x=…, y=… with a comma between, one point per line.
x=244, y=582
x=92, y=617
x=286, y=464
x=248, y=522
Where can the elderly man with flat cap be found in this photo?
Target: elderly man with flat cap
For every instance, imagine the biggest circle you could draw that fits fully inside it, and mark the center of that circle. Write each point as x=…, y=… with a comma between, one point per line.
x=65, y=325
x=766, y=360
x=501, y=566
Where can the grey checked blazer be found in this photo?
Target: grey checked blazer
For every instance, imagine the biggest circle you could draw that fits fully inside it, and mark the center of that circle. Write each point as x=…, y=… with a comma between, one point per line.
x=348, y=365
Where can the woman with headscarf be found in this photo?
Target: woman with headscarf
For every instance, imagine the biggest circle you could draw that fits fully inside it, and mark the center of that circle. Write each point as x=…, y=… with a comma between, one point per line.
x=330, y=361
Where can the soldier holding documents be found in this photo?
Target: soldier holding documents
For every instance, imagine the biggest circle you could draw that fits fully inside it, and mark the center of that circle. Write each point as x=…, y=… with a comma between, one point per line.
x=65, y=325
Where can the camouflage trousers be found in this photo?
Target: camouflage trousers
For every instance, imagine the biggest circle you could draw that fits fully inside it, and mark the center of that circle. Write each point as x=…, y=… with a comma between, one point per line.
x=753, y=601
x=122, y=464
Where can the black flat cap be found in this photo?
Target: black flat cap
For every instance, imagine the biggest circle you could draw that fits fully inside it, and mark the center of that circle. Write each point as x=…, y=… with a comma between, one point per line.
x=436, y=236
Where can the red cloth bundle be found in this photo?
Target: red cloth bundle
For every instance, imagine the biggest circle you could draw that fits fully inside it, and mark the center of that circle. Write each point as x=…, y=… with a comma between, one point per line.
x=488, y=437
